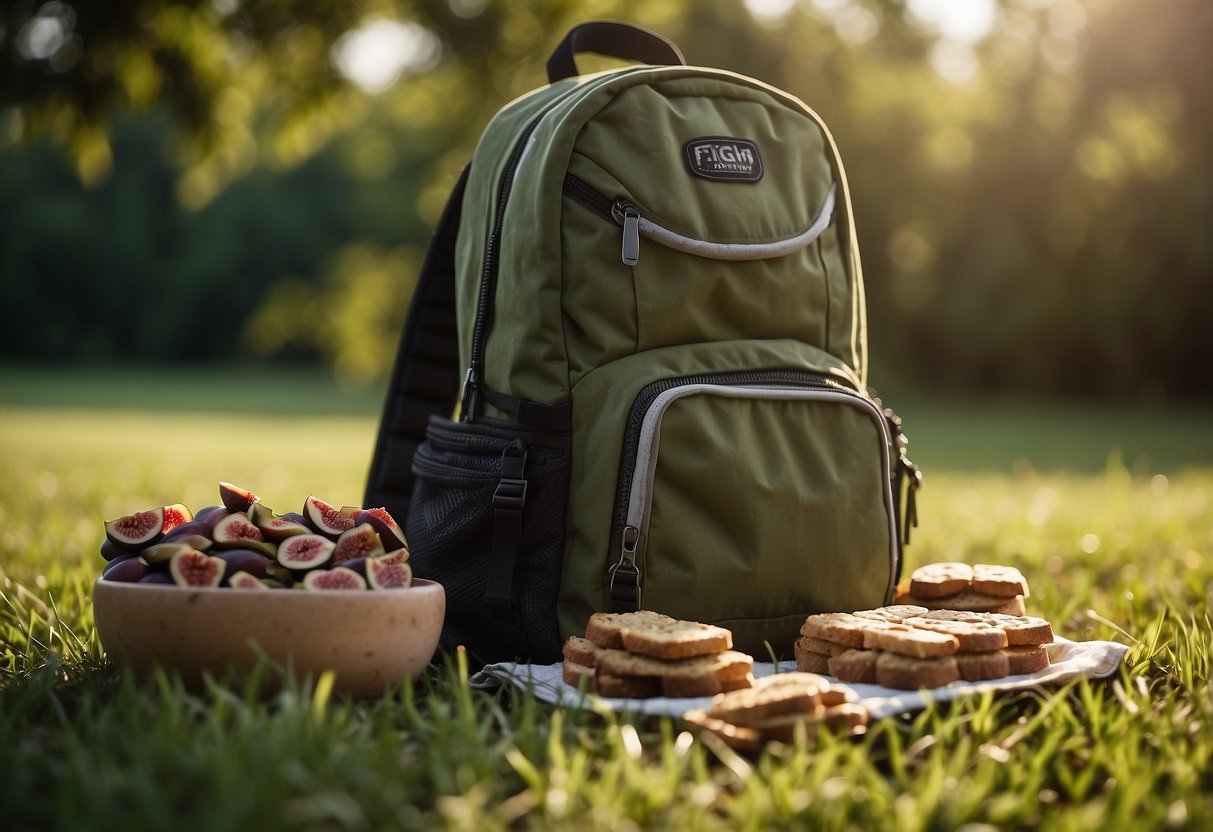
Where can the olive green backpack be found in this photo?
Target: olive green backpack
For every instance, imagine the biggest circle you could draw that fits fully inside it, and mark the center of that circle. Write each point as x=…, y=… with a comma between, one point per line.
x=645, y=296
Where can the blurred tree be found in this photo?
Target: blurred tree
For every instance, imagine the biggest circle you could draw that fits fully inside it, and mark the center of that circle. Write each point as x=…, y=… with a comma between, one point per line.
x=1034, y=194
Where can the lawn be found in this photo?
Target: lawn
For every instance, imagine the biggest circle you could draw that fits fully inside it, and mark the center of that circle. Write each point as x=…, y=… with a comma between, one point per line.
x=1108, y=511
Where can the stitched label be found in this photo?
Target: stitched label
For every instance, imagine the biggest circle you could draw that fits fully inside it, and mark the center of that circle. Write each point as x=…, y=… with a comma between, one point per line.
x=724, y=159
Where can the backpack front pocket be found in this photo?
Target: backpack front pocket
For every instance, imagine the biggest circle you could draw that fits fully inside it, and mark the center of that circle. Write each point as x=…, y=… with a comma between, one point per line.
x=752, y=500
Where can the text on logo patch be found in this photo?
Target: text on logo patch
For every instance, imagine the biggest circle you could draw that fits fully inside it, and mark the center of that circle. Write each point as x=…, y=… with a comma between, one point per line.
x=724, y=158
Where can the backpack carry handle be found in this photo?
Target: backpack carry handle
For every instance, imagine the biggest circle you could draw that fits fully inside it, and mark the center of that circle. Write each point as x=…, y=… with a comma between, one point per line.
x=615, y=40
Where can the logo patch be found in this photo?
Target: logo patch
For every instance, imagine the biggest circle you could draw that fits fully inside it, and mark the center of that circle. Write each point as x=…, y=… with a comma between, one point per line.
x=724, y=159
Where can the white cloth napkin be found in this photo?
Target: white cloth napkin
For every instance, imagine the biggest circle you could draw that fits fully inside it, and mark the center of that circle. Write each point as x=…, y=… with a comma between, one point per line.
x=1068, y=660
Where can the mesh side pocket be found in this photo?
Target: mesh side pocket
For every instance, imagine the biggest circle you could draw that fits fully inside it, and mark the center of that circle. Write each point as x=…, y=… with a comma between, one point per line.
x=450, y=528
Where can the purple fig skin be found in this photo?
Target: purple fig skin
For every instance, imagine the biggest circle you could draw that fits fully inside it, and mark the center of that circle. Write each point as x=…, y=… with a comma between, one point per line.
x=205, y=514
x=357, y=565
x=134, y=531
x=128, y=571
x=161, y=577
x=117, y=562
x=244, y=560
x=203, y=528
x=389, y=533
x=110, y=552
x=235, y=498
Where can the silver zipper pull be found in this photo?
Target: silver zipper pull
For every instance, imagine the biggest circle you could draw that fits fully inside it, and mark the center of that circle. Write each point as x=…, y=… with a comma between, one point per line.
x=631, y=236
x=623, y=588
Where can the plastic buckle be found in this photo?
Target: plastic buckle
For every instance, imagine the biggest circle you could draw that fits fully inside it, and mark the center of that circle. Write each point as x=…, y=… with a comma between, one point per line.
x=510, y=495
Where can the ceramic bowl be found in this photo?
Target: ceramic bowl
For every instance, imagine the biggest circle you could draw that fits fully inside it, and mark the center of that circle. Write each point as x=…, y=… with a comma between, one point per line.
x=371, y=639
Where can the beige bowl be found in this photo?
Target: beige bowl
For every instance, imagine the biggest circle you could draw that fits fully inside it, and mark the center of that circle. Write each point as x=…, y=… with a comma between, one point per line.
x=371, y=639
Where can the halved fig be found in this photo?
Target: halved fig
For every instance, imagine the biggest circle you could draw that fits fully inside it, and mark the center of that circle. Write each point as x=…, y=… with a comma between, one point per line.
x=359, y=542
x=244, y=560
x=336, y=578
x=133, y=532
x=128, y=569
x=325, y=519
x=305, y=551
x=390, y=533
x=259, y=513
x=161, y=553
x=175, y=515
x=280, y=528
x=276, y=571
x=389, y=572
x=243, y=580
x=194, y=568
x=236, y=498
x=235, y=530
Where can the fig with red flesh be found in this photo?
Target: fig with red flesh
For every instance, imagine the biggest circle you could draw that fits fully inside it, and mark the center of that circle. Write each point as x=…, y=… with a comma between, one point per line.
x=336, y=578
x=235, y=530
x=128, y=570
x=244, y=560
x=133, y=532
x=325, y=519
x=194, y=568
x=235, y=498
x=305, y=551
x=243, y=580
x=390, y=533
x=359, y=542
x=389, y=572
x=175, y=515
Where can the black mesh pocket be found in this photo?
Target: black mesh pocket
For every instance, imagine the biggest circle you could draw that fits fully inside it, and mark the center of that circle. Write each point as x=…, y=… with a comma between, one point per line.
x=466, y=488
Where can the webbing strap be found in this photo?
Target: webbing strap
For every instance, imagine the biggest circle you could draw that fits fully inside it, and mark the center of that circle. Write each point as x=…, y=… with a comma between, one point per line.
x=509, y=500
x=425, y=379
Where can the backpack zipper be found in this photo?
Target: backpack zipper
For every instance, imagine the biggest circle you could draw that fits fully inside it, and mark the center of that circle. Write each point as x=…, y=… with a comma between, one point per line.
x=626, y=215
x=642, y=442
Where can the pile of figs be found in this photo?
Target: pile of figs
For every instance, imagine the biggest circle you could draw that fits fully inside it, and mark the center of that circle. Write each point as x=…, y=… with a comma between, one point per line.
x=244, y=545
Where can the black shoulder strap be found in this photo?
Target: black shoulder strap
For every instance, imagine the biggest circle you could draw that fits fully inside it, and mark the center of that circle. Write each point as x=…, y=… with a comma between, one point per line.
x=425, y=379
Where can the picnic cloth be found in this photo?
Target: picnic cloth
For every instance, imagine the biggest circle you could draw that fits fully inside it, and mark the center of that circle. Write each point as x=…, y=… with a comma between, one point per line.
x=1068, y=660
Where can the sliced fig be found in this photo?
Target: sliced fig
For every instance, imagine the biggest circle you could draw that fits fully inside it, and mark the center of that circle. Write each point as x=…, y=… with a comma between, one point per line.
x=194, y=528
x=197, y=541
x=235, y=498
x=194, y=568
x=162, y=576
x=356, y=565
x=235, y=530
x=280, y=528
x=325, y=519
x=243, y=580
x=305, y=551
x=336, y=578
x=359, y=542
x=161, y=553
x=175, y=515
x=390, y=533
x=133, y=532
x=389, y=572
x=259, y=514
x=128, y=569
x=244, y=560
x=276, y=571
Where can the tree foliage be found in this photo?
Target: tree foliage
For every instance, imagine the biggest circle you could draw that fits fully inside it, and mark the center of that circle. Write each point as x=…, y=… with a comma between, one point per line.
x=1033, y=207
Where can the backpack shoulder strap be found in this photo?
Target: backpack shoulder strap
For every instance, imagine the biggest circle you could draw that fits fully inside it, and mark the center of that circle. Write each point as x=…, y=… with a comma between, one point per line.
x=425, y=378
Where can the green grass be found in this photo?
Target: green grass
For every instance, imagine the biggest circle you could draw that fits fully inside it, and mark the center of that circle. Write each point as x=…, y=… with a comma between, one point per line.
x=1117, y=546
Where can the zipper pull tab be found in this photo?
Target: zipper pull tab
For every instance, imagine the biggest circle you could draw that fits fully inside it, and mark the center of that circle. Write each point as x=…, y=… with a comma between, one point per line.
x=631, y=236
x=623, y=589
x=467, y=410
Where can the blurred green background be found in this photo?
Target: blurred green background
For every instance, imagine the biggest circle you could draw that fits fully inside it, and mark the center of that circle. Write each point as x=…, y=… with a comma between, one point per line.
x=252, y=182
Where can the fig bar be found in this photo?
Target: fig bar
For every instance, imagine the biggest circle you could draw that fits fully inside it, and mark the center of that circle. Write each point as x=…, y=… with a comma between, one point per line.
x=982, y=587
x=776, y=708
x=643, y=654
x=242, y=544
x=909, y=647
